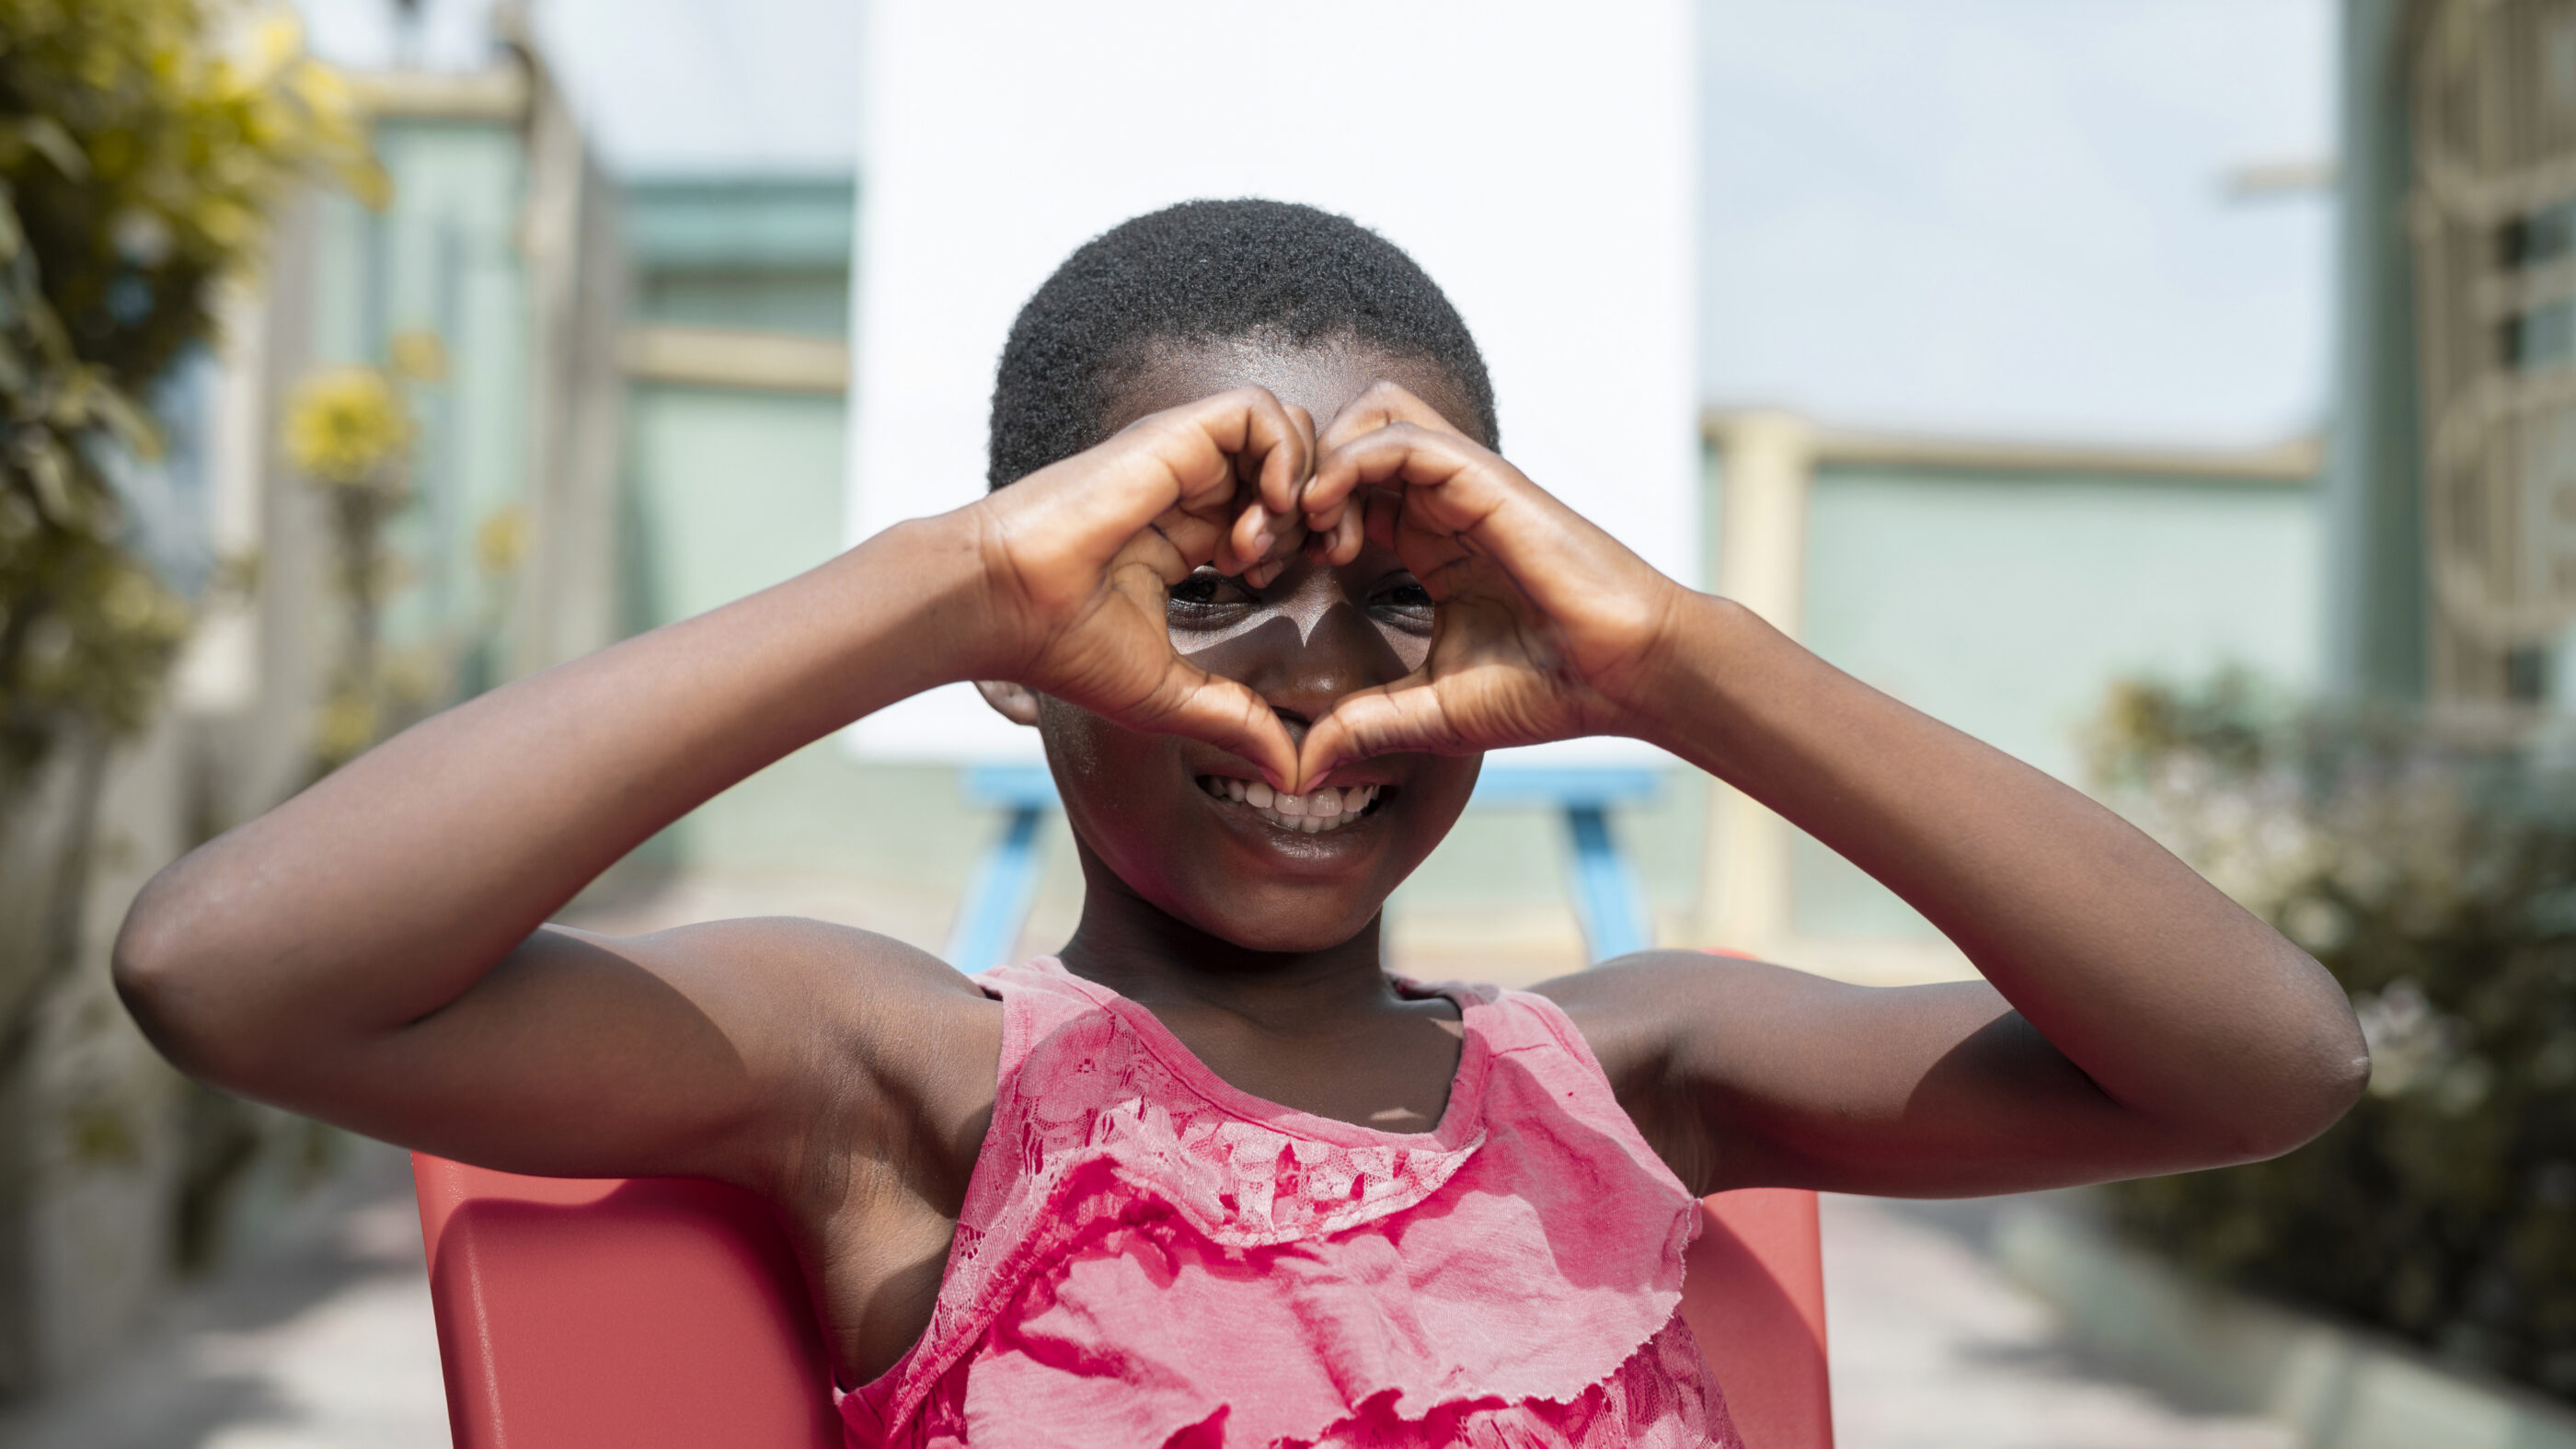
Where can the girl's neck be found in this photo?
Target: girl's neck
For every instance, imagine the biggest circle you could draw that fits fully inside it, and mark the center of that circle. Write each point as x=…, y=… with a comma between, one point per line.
x=1140, y=951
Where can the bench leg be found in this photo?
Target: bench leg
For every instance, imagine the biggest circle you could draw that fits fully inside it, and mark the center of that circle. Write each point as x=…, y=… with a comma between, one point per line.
x=998, y=898
x=1607, y=897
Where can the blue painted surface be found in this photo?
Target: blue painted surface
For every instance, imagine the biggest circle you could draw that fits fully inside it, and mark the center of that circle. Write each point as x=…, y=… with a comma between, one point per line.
x=1608, y=897
x=1567, y=786
x=1009, y=786
x=998, y=898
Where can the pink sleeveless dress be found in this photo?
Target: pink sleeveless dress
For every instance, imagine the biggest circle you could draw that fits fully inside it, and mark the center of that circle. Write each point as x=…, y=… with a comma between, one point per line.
x=1148, y=1256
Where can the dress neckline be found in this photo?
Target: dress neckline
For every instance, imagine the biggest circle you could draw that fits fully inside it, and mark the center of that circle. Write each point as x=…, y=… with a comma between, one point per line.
x=1461, y=1117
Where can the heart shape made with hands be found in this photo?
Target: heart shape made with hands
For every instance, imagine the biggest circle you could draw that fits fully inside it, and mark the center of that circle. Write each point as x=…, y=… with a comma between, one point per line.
x=1543, y=624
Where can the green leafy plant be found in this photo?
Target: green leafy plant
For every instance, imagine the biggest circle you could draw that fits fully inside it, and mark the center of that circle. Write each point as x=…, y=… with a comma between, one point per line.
x=142, y=144
x=2432, y=867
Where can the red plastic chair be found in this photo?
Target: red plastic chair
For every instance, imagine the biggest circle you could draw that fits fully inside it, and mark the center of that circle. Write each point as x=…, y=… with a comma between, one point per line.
x=1755, y=1298
x=669, y=1313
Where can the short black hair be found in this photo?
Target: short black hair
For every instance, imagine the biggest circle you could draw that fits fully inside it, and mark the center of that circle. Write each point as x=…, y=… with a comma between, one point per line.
x=1209, y=271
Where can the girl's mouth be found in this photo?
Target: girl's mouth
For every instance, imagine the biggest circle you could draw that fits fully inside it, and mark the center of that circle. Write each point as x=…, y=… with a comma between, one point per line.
x=1312, y=813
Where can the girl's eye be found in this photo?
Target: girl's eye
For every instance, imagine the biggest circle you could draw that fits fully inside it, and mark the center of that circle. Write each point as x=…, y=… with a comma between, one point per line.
x=1206, y=595
x=1404, y=602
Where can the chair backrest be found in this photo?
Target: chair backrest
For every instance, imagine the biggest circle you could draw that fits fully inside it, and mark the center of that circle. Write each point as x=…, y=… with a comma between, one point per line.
x=665, y=1313
x=1755, y=1299
x=656, y=1313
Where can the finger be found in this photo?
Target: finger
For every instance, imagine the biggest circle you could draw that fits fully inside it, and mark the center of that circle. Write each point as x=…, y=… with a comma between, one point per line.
x=1235, y=444
x=1250, y=541
x=1403, y=717
x=1077, y=514
x=1383, y=514
x=1341, y=543
x=1209, y=447
x=1187, y=700
x=1203, y=706
x=1276, y=449
x=1173, y=546
x=1256, y=535
x=1271, y=448
x=1449, y=485
x=1260, y=544
x=1457, y=484
x=1383, y=403
x=1305, y=424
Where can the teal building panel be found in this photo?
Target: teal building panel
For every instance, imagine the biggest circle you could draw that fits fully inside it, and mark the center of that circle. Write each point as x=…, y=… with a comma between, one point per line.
x=2007, y=606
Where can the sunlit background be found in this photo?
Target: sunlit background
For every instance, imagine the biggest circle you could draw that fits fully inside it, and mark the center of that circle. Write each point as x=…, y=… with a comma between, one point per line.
x=2171, y=392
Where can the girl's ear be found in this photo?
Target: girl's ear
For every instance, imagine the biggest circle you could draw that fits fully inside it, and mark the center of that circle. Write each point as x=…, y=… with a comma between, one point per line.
x=1014, y=702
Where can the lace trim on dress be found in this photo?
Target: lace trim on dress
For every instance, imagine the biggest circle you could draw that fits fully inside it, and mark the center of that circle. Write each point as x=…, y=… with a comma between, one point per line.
x=1148, y=1255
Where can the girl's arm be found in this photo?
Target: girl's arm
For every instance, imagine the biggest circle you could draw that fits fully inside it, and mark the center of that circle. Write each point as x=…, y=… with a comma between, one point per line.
x=370, y=952
x=2133, y=1019
x=373, y=952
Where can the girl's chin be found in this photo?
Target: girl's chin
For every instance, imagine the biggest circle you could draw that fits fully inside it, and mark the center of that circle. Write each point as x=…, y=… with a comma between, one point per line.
x=1291, y=930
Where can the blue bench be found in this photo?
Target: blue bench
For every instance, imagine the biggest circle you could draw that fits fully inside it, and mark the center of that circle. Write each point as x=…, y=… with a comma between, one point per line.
x=1609, y=901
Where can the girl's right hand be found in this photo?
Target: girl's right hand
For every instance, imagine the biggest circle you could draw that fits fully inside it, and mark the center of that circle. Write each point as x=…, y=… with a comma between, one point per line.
x=1078, y=561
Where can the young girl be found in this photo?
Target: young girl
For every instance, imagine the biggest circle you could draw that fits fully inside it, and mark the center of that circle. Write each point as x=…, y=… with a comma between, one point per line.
x=1253, y=569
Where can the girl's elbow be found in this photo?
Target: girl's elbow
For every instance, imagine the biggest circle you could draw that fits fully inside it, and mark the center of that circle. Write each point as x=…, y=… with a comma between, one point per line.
x=2316, y=1069
x=161, y=973
x=2342, y=1077
x=2311, y=1090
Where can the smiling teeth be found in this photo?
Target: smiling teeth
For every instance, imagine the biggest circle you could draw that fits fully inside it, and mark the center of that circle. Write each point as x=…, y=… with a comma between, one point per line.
x=1312, y=813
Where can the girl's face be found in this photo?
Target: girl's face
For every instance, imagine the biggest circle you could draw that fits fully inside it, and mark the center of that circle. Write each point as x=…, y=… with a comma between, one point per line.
x=1180, y=823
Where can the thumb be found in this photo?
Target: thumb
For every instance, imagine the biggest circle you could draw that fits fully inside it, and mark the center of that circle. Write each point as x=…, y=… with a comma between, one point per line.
x=1405, y=716
x=1190, y=701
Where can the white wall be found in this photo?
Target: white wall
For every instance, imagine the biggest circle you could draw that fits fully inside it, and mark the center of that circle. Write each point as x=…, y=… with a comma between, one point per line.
x=1540, y=167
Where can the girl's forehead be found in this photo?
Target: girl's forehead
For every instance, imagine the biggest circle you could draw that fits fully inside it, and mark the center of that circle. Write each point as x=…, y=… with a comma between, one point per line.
x=1322, y=377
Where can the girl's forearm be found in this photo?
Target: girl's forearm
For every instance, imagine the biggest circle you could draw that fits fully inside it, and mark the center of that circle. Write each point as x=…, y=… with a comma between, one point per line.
x=386, y=890
x=2176, y=1001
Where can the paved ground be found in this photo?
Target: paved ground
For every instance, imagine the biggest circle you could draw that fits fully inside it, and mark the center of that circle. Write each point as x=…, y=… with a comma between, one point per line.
x=324, y=1343
x=1933, y=1349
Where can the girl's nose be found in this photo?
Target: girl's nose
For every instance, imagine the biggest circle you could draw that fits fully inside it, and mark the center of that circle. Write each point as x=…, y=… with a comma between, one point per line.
x=1333, y=650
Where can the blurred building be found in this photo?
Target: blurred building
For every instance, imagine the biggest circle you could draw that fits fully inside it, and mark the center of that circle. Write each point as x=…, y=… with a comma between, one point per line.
x=2002, y=586
x=2453, y=472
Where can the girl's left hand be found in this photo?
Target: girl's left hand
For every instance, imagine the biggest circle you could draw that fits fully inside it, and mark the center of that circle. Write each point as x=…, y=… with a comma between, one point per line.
x=1546, y=627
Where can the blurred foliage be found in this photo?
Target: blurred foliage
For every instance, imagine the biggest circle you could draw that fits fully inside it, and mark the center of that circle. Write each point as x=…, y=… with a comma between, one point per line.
x=2433, y=871
x=347, y=427
x=351, y=432
x=142, y=142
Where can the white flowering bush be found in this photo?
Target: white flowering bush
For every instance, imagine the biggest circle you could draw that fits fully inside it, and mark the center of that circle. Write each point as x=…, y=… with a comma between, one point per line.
x=2432, y=868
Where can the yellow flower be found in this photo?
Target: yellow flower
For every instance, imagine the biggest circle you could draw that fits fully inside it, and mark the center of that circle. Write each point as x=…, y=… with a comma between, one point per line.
x=413, y=678
x=345, y=423
x=501, y=540
x=419, y=356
